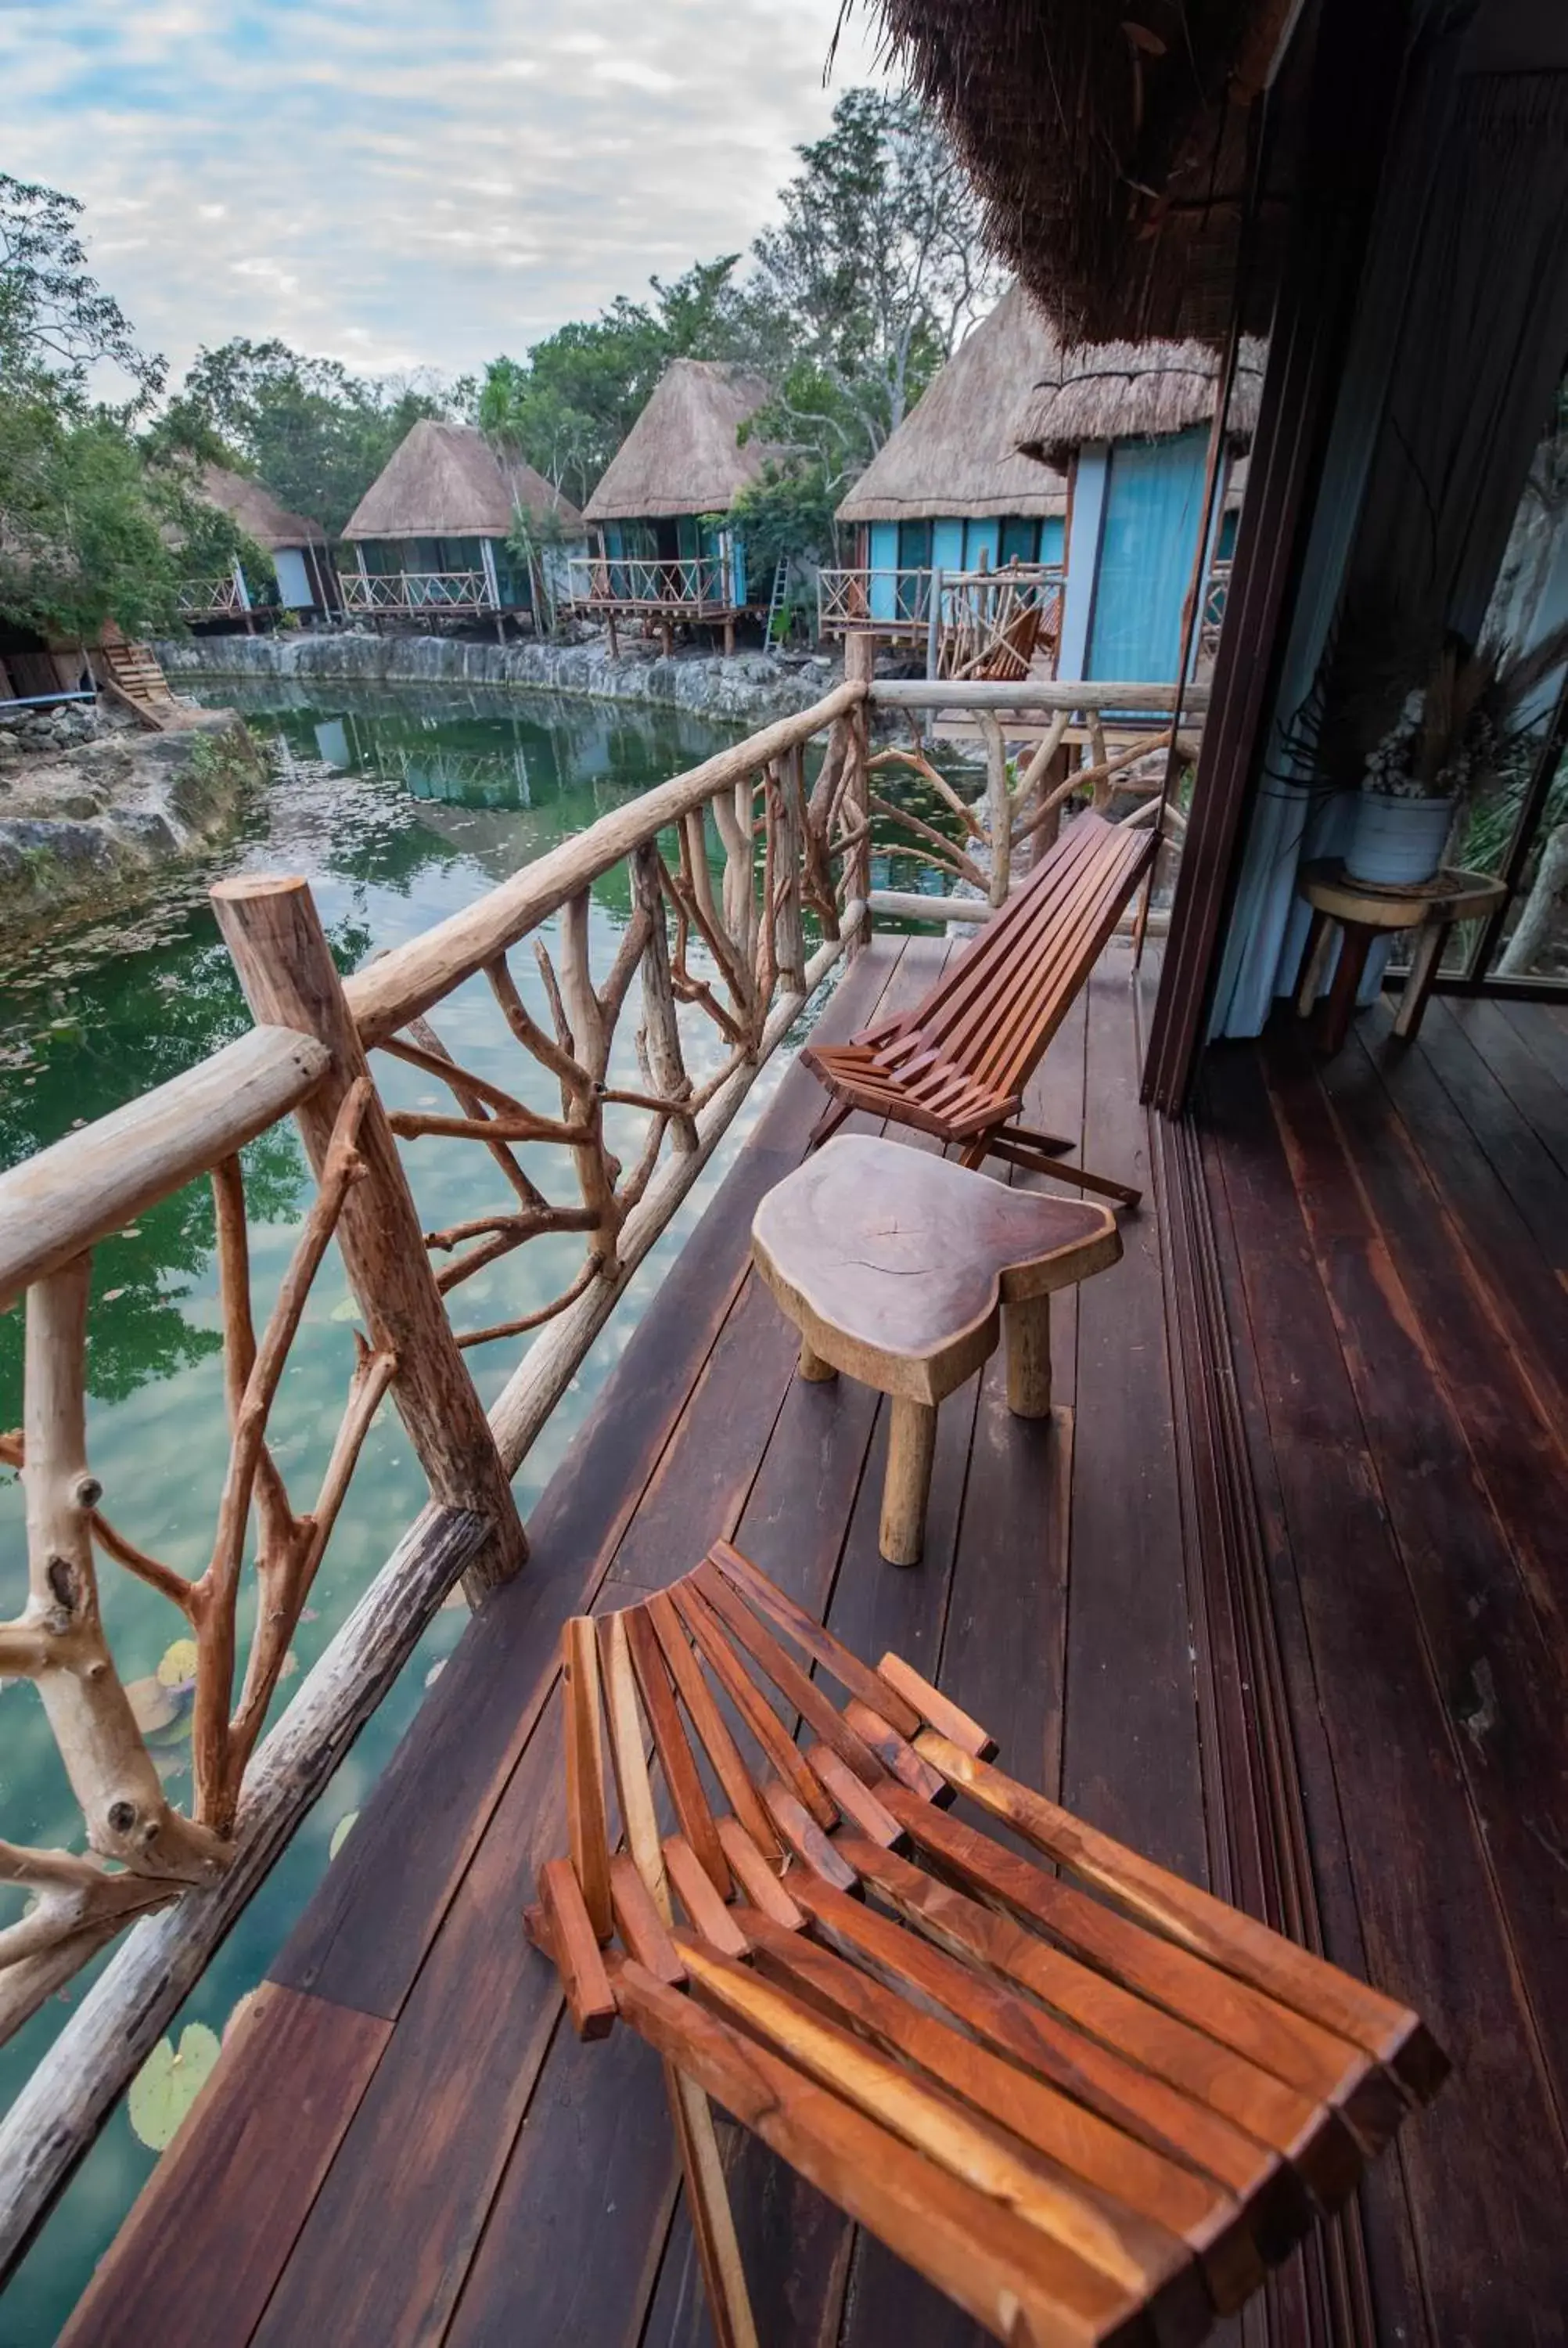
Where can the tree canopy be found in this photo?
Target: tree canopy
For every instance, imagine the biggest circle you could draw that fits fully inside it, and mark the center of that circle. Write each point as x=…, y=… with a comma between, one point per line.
x=316, y=434
x=89, y=529
x=847, y=305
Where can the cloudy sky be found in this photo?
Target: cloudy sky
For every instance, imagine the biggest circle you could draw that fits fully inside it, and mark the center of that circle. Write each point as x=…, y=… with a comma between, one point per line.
x=405, y=183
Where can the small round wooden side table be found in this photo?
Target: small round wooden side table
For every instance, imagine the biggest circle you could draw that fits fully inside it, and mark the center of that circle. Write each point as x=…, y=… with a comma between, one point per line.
x=898, y=1267
x=1365, y=912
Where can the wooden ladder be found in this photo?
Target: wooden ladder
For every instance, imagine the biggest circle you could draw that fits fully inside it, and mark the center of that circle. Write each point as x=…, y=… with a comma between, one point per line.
x=776, y=599
x=133, y=673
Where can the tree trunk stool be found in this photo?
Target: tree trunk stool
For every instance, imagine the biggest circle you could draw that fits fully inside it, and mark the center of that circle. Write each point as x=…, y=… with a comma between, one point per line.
x=1086, y=2100
x=901, y=1269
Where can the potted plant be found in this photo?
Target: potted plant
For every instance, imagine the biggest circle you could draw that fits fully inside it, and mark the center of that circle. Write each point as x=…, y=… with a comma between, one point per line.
x=1419, y=772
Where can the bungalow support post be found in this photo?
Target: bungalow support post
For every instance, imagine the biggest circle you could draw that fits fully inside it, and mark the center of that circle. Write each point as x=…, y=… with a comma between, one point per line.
x=275, y=935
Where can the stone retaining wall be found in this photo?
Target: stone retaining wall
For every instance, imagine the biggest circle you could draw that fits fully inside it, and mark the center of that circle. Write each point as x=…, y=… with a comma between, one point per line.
x=751, y=688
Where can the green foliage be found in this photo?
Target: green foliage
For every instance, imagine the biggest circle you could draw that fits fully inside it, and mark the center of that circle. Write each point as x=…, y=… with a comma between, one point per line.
x=315, y=434
x=55, y=320
x=787, y=515
x=868, y=282
x=572, y=403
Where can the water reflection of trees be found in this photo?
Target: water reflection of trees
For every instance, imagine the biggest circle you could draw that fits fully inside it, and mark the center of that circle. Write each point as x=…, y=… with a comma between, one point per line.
x=83, y=1044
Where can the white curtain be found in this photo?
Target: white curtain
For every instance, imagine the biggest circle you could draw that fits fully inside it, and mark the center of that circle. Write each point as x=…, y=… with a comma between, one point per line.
x=1459, y=342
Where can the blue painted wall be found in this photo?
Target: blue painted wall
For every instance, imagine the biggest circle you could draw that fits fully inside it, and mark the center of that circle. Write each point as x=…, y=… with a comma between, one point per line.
x=1153, y=503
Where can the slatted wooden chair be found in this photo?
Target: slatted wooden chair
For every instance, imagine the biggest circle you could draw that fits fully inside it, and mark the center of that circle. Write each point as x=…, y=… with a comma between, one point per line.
x=956, y=1065
x=1086, y=2100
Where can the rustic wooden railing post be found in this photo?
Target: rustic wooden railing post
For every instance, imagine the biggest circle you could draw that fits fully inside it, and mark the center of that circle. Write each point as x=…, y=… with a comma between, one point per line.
x=859, y=668
x=274, y=934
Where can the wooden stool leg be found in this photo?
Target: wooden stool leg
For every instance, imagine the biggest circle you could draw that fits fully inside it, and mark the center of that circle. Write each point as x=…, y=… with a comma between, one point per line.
x=1314, y=960
x=1430, y=940
x=1026, y=1328
x=911, y=1446
x=713, y=2223
x=1355, y=946
x=813, y=1366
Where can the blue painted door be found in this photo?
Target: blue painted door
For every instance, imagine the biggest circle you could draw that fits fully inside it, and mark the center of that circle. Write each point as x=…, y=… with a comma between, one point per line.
x=1153, y=504
x=883, y=585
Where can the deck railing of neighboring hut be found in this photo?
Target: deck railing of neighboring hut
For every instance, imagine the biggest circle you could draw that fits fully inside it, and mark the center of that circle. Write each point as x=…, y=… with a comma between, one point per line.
x=415, y=591
x=964, y=617
x=748, y=878
x=685, y=585
x=225, y=598
x=733, y=954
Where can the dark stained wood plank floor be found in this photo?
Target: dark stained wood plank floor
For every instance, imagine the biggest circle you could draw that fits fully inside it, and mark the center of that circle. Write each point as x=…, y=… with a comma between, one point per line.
x=1396, y=1220
x=468, y=2174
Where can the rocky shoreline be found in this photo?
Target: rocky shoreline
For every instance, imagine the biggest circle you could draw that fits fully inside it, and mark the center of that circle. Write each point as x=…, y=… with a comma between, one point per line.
x=93, y=810
x=750, y=687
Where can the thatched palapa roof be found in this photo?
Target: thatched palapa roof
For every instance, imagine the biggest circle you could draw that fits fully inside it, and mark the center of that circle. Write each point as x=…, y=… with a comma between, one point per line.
x=1134, y=391
x=1111, y=146
x=252, y=505
x=446, y=480
x=955, y=452
x=684, y=456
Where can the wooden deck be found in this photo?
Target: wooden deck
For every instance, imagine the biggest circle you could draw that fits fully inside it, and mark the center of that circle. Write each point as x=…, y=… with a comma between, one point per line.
x=1278, y=1596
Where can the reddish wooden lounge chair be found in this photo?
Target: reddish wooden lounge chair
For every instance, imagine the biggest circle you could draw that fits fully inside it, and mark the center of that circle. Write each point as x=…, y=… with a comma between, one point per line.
x=956, y=1065
x=1088, y=2101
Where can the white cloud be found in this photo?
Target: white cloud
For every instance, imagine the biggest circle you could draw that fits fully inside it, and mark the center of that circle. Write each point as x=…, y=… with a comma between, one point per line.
x=409, y=184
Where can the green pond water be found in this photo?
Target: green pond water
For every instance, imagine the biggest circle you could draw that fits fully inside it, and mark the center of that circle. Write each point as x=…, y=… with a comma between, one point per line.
x=400, y=808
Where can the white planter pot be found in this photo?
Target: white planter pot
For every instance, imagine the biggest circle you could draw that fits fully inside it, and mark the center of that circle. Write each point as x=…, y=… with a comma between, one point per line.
x=1398, y=843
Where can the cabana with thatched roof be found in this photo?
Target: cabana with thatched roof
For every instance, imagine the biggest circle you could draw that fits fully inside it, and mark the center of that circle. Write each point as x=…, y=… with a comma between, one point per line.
x=297, y=545
x=432, y=535
x=1131, y=423
x=950, y=494
x=663, y=554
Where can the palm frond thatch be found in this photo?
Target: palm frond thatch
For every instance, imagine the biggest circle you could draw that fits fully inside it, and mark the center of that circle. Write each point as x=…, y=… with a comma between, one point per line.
x=258, y=512
x=683, y=455
x=1109, y=145
x=448, y=480
x=1127, y=391
x=954, y=453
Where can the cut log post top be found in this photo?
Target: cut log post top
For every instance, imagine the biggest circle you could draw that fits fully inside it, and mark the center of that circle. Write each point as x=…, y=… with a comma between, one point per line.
x=275, y=935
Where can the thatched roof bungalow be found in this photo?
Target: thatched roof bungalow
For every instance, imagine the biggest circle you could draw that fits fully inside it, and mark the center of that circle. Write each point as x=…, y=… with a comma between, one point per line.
x=297, y=545
x=949, y=490
x=431, y=534
x=662, y=551
x=1089, y=463
x=1131, y=423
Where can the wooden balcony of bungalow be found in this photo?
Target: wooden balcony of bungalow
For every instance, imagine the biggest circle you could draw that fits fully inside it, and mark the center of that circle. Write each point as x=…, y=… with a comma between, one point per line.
x=1216, y=1602
x=410, y=594
x=660, y=591
x=1265, y=1610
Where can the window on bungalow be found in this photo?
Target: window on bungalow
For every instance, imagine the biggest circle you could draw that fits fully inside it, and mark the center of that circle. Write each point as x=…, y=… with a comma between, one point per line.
x=1019, y=540
x=914, y=555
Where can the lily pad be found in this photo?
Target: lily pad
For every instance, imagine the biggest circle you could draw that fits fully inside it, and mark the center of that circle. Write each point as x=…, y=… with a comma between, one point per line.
x=342, y=1832
x=169, y=2083
x=179, y=1664
x=241, y=2009
x=154, y=1704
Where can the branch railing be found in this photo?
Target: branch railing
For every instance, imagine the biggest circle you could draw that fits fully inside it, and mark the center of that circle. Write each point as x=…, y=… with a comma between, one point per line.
x=1082, y=742
x=678, y=583
x=967, y=618
x=727, y=936
x=223, y=598
x=415, y=591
